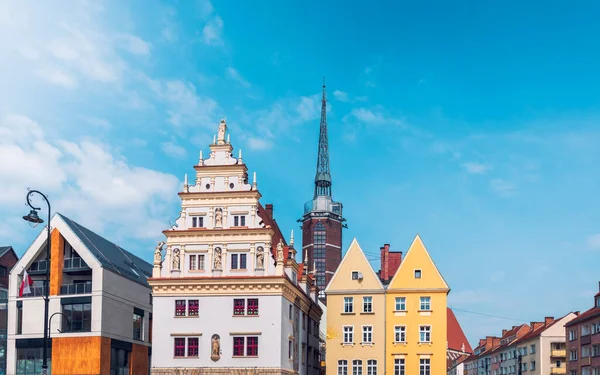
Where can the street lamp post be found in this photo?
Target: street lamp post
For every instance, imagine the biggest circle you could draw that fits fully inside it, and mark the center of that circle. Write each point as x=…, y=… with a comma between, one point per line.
x=33, y=217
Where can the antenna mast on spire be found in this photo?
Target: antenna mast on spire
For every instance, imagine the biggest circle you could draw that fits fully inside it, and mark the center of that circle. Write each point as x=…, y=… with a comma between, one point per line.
x=323, y=176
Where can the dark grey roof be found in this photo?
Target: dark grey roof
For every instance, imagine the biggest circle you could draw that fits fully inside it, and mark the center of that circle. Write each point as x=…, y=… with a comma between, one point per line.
x=111, y=256
x=4, y=250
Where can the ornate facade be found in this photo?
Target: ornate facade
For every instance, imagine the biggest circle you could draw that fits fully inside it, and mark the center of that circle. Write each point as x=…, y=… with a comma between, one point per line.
x=229, y=296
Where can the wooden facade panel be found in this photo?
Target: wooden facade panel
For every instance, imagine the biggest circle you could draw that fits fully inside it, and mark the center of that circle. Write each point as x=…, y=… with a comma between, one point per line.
x=105, y=356
x=139, y=359
x=79, y=355
x=57, y=257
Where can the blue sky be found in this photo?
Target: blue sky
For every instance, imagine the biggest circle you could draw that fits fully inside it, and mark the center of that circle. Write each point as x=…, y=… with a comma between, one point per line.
x=473, y=124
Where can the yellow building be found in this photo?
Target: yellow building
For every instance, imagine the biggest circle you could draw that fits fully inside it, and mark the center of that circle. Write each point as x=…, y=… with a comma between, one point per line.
x=416, y=321
x=355, y=317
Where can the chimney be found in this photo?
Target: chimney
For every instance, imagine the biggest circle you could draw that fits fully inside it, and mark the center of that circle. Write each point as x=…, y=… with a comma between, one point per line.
x=504, y=332
x=537, y=325
x=269, y=209
x=548, y=320
x=384, y=264
x=598, y=286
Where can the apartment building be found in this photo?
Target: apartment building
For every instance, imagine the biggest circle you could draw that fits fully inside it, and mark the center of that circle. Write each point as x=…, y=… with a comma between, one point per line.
x=229, y=296
x=356, y=317
x=99, y=306
x=8, y=259
x=480, y=362
x=583, y=341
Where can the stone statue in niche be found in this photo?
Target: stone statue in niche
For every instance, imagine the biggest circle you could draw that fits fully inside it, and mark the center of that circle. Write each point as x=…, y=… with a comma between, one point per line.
x=218, y=217
x=215, y=347
x=158, y=253
x=280, y=251
x=217, y=261
x=222, y=130
x=175, y=260
x=260, y=257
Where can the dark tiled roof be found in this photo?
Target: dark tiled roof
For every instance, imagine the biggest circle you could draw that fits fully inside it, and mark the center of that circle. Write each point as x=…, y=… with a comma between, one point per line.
x=591, y=313
x=111, y=256
x=5, y=249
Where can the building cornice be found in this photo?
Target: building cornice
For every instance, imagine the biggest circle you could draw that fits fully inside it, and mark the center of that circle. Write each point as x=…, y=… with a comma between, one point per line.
x=220, y=195
x=208, y=235
x=417, y=290
x=355, y=292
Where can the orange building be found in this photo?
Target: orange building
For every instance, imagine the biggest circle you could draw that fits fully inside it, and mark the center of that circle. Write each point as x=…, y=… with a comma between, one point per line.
x=99, y=306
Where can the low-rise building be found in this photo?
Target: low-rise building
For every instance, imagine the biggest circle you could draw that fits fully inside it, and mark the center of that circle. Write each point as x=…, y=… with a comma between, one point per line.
x=99, y=306
x=583, y=341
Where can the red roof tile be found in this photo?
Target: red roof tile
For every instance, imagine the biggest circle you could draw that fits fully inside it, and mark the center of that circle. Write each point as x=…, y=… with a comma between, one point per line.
x=591, y=313
x=276, y=236
x=455, y=335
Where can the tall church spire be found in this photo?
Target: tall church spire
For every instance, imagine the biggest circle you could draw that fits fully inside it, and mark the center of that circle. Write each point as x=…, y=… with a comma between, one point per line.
x=323, y=176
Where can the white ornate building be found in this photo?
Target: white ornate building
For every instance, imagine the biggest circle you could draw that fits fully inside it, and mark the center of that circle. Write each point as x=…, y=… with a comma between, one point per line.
x=228, y=295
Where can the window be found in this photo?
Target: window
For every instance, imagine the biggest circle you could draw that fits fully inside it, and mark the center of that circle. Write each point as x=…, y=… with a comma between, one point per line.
x=19, y=318
x=572, y=335
x=400, y=303
x=180, y=307
x=585, y=330
x=252, y=306
x=531, y=366
x=2, y=271
x=238, y=346
x=179, y=347
x=367, y=333
x=252, y=346
x=348, y=304
x=348, y=334
x=399, y=366
x=357, y=367
x=354, y=275
x=138, y=326
x=234, y=261
x=424, y=366
x=79, y=316
x=192, y=262
x=573, y=355
x=194, y=222
x=595, y=328
x=400, y=334
x=239, y=306
x=239, y=221
x=532, y=349
x=367, y=304
x=192, y=349
x=342, y=367
x=290, y=349
x=417, y=274
x=585, y=351
x=290, y=313
x=426, y=303
x=425, y=333
x=29, y=361
x=193, y=307
x=372, y=367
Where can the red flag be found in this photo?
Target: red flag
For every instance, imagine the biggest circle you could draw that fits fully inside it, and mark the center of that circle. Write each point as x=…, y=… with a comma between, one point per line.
x=25, y=284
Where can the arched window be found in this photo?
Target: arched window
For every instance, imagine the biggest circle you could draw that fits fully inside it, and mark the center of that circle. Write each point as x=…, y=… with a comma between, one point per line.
x=319, y=253
x=342, y=367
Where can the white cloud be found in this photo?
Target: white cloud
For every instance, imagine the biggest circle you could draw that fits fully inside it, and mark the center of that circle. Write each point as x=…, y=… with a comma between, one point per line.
x=87, y=180
x=340, y=95
x=171, y=149
x=57, y=77
x=97, y=122
x=211, y=33
x=259, y=143
x=135, y=44
x=233, y=74
x=503, y=187
x=593, y=241
x=372, y=118
x=476, y=168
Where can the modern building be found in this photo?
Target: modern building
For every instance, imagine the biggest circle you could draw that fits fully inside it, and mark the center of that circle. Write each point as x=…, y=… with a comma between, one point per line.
x=8, y=258
x=322, y=221
x=356, y=320
x=100, y=306
x=416, y=321
x=583, y=341
x=229, y=296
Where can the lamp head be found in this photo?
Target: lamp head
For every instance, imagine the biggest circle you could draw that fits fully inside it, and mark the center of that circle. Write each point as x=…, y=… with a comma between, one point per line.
x=33, y=217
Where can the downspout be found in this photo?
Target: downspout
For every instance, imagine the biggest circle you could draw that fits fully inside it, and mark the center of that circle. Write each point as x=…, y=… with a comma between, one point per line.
x=384, y=329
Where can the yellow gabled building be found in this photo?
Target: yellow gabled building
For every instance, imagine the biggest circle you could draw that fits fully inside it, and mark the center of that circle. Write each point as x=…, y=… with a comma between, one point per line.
x=355, y=317
x=416, y=321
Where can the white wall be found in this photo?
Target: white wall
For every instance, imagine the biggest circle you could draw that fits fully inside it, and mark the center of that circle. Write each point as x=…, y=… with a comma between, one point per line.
x=216, y=317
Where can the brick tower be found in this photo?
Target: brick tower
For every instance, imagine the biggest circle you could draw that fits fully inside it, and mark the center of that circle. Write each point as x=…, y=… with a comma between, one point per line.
x=322, y=221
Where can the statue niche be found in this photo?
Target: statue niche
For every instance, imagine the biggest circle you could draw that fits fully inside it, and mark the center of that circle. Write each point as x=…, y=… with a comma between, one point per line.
x=260, y=257
x=217, y=259
x=218, y=218
x=176, y=262
x=158, y=253
x=215, y=347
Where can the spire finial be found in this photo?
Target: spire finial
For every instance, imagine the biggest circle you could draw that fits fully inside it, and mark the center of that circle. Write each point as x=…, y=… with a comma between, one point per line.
x=323, y=176
x=292, y=238
x=254, y=181
x=240, y=156
x=185, y=183
x=200, y=158
x=228, y=138
x=214, y=138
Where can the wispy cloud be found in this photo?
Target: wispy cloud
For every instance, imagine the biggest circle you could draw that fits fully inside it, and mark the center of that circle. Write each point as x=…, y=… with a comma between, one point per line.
x=259, y=143
x=97, y=122
x=476, y=168
x=57, y=77
x=370, y=117
x=593, y=241
x=173, y=150
x=134, y=44
x=503, y=187
x=212, y=31
x=340, y=95
x=233, y=74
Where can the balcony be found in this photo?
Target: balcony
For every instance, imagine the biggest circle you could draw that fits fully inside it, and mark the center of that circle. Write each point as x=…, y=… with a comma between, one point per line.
x=36, y=291
x=558, y=353
x=81, y=288
x=74, y=265
x=558, y=370
x=38, y=267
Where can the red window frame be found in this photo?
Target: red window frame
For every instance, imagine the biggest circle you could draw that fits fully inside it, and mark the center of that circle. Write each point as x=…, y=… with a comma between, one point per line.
x=179, y=348
x=238, y=346
x=239, y=306
x=180, y=307
x=252, y=306
x=192, y=349
x=193, y=307
x=252, y=346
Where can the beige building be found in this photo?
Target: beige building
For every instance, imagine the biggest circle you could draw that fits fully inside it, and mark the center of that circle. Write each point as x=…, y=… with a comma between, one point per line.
x=356, y=317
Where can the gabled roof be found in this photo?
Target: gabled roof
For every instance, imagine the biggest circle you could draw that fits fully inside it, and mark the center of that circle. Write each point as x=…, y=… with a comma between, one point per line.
x=277, y=235
x=111, y=256
x=589, y=314
x=6, y=249
x=355, y=254
x=455, y=335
